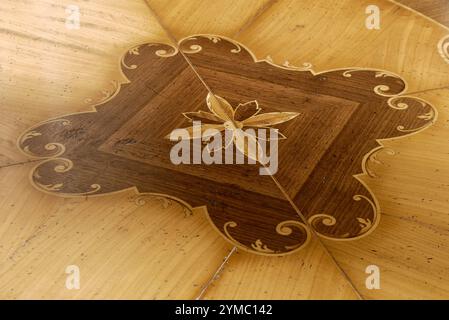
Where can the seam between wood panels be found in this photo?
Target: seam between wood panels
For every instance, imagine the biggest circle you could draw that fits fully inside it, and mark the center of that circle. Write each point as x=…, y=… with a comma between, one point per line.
x=216, y=275
x=320, y=241
x=281, y=188
x=419, y=14
x=19, y=163
x=254, y=18
x=11, y=257
x=221, y=267
x=265, y=8
x=423, y=91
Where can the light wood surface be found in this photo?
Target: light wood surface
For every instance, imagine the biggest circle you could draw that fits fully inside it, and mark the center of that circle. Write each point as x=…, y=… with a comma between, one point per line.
x=308, y=274
x=183, y=18
x=332, y=34
x=437, y=10
x=126, y=246
x=411, y=257
x=410, y=244
x=47, y=71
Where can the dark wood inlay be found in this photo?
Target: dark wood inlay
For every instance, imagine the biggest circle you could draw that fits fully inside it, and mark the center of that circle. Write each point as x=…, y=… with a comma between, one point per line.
x=122, y=143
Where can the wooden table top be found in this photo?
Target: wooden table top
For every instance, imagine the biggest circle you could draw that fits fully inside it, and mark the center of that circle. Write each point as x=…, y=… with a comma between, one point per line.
x=362, y=179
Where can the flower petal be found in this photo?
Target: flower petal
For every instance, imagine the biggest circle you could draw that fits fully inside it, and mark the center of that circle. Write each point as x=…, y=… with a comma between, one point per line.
x=220, y=107
x=246, y=110
x=203, y=117
x=269, y=119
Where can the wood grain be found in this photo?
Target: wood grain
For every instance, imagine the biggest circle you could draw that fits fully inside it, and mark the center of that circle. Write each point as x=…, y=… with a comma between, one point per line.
x=309, y=274
x=405, y=43
x=434, y=9
x=410, y=243
x=413, y=190
x=184, y=18
x=412, y=259
x=412, y=183
x=126, y=246
x=48, y=70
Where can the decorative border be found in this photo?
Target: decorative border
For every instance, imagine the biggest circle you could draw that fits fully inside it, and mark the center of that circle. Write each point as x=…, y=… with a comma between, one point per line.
x=397, y=101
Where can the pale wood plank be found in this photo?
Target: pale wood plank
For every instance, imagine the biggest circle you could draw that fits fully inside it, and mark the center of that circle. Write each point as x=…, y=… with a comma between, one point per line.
x=48, y=70
x=123, y=249
x=224, y=17
x=332, y=34
x=412, y=258
x=308, y=274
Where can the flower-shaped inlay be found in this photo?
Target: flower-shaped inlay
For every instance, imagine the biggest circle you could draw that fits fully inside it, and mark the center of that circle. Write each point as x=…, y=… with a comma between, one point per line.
x=223, y=117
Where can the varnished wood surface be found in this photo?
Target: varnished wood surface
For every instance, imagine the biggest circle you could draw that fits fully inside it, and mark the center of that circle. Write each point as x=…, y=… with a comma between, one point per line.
x=123, y=245
x=69, y=66
x=410, y=191
x=396, y=47
x=309, y=275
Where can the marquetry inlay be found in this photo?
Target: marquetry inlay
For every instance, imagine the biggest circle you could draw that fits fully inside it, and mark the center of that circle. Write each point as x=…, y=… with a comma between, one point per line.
x=331, y=126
